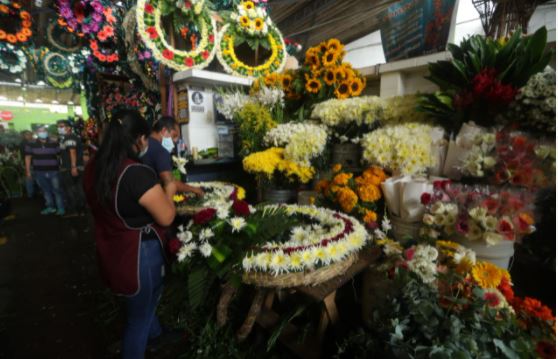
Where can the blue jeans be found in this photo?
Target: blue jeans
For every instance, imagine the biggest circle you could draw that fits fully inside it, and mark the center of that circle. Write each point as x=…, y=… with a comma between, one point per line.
x=142, y=323
x=30, y=186
x=49, y=181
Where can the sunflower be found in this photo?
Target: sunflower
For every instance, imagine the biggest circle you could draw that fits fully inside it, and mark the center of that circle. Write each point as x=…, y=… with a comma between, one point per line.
x=335, y=45
x=330, y=58
x=258, y=24
x=312, y=59
x=322, y=47
x=487, y=275
x=313, y=85
x=329, y=76
x=286, y=81
x=244, y=21
x=343, y=91
x=357, y=85
x=340, y=73
x=248, y=5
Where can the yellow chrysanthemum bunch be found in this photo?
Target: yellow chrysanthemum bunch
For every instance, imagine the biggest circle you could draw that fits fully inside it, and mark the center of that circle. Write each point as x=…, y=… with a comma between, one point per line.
x=353, y=195
x=271, y=162
x=254, y=122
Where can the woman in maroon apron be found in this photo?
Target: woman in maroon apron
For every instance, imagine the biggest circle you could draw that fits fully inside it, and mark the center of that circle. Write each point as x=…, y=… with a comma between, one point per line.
x=130, y=209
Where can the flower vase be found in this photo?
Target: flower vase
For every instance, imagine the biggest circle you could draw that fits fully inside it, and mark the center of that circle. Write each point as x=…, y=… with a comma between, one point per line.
x=404, y=230
x=498, y=254
x=348, y=155
x=279, y=196
x=306, y=198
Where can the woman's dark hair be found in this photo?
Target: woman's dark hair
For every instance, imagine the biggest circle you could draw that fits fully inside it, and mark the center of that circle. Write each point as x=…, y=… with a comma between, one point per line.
x=167, y=122
x=119, y=138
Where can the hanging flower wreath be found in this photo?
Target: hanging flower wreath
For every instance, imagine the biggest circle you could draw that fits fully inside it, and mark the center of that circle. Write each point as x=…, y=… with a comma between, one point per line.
x=52, y=32
x=251, y=25
x=21, y=29
x=93, y=17
x=56, y=65
x=19, y=60
x=149, y=13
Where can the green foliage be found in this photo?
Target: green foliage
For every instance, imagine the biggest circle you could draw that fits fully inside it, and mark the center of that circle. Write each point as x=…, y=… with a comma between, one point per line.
x=412, y=323
x=514, y=61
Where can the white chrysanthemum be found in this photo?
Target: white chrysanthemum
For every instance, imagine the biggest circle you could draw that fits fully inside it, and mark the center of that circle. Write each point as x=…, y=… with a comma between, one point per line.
x=279, y=262
x=205, y=249
x=186, y=251
x=308, y=259
x=463, y=253
x=263, y=261
x=248, y=263
x=185, y=236
x=206, y=234
x=237, y=224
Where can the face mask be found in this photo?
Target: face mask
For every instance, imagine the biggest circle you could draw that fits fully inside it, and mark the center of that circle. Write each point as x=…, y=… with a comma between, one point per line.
x=62, y=131
x=168, y=144
x=42, y=135
x=143, y=152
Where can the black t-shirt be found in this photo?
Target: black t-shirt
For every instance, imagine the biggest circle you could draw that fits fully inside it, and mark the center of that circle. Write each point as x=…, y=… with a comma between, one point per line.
x=70, y=142
x=157, y=157
x=135, y=181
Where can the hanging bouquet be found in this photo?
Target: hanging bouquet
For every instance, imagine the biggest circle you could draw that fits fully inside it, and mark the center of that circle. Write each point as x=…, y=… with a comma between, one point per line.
x=441, y=301
x=250, y=24
x=272, y=166
x=303, y=142
x=359, y=196
x=513, y=158
x=349, y=118
x=404, y=149
x=15, y=23
x=534, y=107
x=477, y=214
x=483, y=77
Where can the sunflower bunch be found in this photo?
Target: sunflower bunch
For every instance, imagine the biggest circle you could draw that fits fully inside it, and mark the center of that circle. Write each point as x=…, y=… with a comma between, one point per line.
x=251, y=19
x=325, y=75
x=356, y=195
x=284, y=81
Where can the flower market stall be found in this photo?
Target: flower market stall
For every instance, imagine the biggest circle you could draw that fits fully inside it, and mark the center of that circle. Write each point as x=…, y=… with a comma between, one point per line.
x=335, y=223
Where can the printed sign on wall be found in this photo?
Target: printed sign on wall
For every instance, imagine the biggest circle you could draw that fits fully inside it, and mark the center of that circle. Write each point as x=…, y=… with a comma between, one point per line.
x=411, y=28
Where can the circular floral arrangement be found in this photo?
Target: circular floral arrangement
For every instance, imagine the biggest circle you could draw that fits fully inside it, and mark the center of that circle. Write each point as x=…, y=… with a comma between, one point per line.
x=252, y=25
x=92, y=17
x=56, y=65
x=22, y=31
x=330, y=239
x=149, y=13
x=54, y=41
x=9, y=51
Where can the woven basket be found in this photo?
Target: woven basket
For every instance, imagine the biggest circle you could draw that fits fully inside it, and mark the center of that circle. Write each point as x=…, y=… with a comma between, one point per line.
x=297, y=279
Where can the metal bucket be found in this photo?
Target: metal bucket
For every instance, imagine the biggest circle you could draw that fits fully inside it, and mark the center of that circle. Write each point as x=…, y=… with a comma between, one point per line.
x=348, y=155
x=280, y=196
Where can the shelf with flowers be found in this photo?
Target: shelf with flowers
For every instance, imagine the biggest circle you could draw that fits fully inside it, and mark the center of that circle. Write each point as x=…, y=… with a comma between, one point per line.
x=250, y=24
x=488, y=220
x=440, y=300
x=357, y=195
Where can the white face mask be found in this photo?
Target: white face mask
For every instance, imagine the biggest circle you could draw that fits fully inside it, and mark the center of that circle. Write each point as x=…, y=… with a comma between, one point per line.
x=42, y=135
x=62, y=131
x=168, y=144
x=143, y=152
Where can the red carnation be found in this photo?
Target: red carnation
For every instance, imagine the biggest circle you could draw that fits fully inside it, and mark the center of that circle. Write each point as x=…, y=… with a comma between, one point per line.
x=211, y=38
x=425, y=198
x=174, y=245
x=483, y=81
x=204, y=216
x=500, y=93
x=149, y=8
x=241, y=208
x=205, y=54
x=188, y=5
x=167, y=54
x=152, y=32
x=506, y=289
x=189, y=61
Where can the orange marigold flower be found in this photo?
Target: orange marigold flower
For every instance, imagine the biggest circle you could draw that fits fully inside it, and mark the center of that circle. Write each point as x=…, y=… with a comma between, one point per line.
x=321, y=186
x=25, y=15
x=26, y=23
x=370, y=217
x=21, y=37
x=2, y=34
x=342, y=179
x=27, y=32
x=369, y=193
x=17, y=5
x=336, y=167
x=12, y=39
x=4, y=9
x=347, y=199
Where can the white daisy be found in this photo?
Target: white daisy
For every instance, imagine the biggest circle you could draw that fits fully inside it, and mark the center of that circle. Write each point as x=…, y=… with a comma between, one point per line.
x=237, y=224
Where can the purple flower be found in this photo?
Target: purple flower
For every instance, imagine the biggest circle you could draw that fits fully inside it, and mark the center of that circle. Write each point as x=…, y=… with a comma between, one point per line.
x=147, y=54
x=97, y=6
x=97, y=17
x=463, y=227
x=95, y=27
x=86, y=28
x=66, y=12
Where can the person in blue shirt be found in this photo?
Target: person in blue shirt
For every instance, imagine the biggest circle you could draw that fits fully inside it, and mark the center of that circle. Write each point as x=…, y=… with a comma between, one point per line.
x=161, y=143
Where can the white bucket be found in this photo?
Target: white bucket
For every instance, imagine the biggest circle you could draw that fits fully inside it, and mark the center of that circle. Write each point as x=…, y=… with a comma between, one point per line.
x=498, y=254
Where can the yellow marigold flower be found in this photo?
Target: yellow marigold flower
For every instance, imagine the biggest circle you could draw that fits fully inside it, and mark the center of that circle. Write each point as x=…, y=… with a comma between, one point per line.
x=487, y=275
x=347, y=199
x=336, y=167
x=330, y=58
x=342, y=179
x=329, y=76
x=369, y=193
x=244, y=21
x=321, y=186
x=448, y=244
x=370, y=217
x=343, y=91
x=313, y=85
x=264, y=162
x=240, y=192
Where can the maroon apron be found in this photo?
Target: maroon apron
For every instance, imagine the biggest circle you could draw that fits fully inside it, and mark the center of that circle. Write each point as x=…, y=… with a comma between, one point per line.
x=118, y=244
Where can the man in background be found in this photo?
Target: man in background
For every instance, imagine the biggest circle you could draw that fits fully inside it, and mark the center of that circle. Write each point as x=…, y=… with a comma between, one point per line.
x=71, y=168
x=26, y=140
x=161, y=143
x=41, y=156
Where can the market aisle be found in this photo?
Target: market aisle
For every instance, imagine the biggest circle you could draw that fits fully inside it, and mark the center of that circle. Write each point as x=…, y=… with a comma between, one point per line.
x=49, y=287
